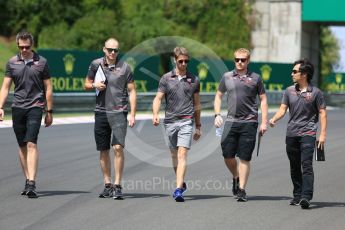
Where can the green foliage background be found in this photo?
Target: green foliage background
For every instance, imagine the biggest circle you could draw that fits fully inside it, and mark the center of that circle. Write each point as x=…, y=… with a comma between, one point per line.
x=222, y=25
x=330, y=52
x=85, y=24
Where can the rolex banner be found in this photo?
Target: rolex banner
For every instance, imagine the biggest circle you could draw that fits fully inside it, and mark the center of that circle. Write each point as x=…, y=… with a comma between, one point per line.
x=69, y=68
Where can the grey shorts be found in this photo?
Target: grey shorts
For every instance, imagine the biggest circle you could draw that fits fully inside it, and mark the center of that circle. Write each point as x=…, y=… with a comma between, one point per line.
x=179, y=133
x=111, y=126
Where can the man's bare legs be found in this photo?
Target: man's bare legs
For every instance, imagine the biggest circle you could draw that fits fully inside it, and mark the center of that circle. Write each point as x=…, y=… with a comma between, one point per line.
x=118, y=163
x=181, y=166
x=28, y=156
x=231, y=164
x=174, y=159
x=242, y=172
x=244, y=169
x=23, y=153
x=104, y=160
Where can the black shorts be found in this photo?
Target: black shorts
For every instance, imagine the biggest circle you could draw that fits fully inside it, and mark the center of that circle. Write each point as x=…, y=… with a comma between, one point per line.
x=109, y=125
x=26, y=124
x=238, y=139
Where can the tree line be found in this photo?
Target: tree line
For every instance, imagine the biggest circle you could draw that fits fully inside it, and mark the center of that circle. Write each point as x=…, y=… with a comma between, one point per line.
x=221, y=25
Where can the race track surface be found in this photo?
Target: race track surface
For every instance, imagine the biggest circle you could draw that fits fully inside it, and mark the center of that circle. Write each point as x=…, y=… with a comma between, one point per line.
x=69, y=180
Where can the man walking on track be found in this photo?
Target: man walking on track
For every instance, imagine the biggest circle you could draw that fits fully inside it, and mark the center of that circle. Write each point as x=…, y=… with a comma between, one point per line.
x=113, y=80
x=239, y=135
x=181, y=91
x=306, y=104
x=33, y=93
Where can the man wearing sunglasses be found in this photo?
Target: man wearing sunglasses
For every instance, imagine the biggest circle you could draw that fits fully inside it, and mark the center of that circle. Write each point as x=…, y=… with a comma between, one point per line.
x=112, y=98
x=306, y=104
x=32, y=94
x=239, y=134
x=181, y=91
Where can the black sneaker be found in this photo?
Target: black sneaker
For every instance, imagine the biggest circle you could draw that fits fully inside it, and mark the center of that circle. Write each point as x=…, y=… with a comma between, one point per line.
x=107, y=191
x=31, y=193
x=295, y=201
x=117, y=194
x=25, y=188
x=184, y=187
x=304, y=203
x=241, y=195
x=235, y=185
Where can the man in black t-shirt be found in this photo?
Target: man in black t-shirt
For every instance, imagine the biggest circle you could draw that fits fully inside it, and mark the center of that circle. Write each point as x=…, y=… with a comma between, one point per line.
x=239, y=135
x=32, y=94
x=181, y=91
x=113, y=96
x=306, y=104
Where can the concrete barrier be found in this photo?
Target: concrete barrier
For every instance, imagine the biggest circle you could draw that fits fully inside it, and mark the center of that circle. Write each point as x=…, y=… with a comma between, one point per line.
x=85, y=102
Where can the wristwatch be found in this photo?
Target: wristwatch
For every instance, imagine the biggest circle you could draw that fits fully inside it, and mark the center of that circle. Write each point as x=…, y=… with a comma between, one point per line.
x=218, y=114
x=49, y=111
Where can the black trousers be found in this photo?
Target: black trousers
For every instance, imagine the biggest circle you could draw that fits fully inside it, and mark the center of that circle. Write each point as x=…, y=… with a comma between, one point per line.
x=300, y=152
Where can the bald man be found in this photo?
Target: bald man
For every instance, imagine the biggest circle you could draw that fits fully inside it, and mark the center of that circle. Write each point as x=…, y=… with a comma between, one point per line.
x=113, y=81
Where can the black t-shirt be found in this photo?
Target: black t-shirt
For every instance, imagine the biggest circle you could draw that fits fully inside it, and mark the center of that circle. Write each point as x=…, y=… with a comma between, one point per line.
x=179, y=95
x=304, y=110
x=242, y=92
x=115, y=97
x=28, y=79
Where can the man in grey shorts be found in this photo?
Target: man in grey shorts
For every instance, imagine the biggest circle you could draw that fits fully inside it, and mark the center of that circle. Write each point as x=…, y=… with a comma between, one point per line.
x=181, y=91
x=239, y=135
x=111, y=112
x=306, y=104
x=33, y=92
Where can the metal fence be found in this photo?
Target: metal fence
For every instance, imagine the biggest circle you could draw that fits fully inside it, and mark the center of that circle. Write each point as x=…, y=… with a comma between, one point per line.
x=85, y=102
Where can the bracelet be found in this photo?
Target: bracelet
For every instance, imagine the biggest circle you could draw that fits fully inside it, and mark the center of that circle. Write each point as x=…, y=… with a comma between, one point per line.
x=49, y=111
x=218, y=114
x=198, y=125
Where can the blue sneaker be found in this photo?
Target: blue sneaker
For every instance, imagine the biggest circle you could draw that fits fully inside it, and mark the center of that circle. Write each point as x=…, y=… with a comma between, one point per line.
x=184, y=187
x=178, y=196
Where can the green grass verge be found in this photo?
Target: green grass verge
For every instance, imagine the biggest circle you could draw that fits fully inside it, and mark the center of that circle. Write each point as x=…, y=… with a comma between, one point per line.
x=7, y=50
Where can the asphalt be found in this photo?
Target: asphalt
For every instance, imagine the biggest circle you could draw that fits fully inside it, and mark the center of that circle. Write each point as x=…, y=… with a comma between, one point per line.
x=69, y=181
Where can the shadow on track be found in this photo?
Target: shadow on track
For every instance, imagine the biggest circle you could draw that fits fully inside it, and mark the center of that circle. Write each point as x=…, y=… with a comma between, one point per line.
x=59, y=193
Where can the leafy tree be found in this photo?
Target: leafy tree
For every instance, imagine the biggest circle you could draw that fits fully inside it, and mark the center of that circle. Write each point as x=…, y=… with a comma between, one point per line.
x=142, y=20
x=329, y=52
x=34, y=15
x=90, y=31
x=54, y=36
x=220, y=24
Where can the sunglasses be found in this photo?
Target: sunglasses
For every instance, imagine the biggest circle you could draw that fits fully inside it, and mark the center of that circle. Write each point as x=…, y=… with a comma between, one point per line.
x=182, y=60
x=295, y=71
x=24, y=47
x=240, y=59
x=115, y=50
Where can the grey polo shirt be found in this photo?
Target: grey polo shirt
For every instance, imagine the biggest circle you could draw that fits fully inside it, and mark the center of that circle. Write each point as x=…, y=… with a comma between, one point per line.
x=242, y=92
x=28, y=80
x=304, y=110
x=115, y=97
x=179, y=95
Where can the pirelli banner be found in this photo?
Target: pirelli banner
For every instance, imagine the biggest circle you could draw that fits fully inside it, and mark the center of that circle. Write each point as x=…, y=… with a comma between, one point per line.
x=69, y=69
